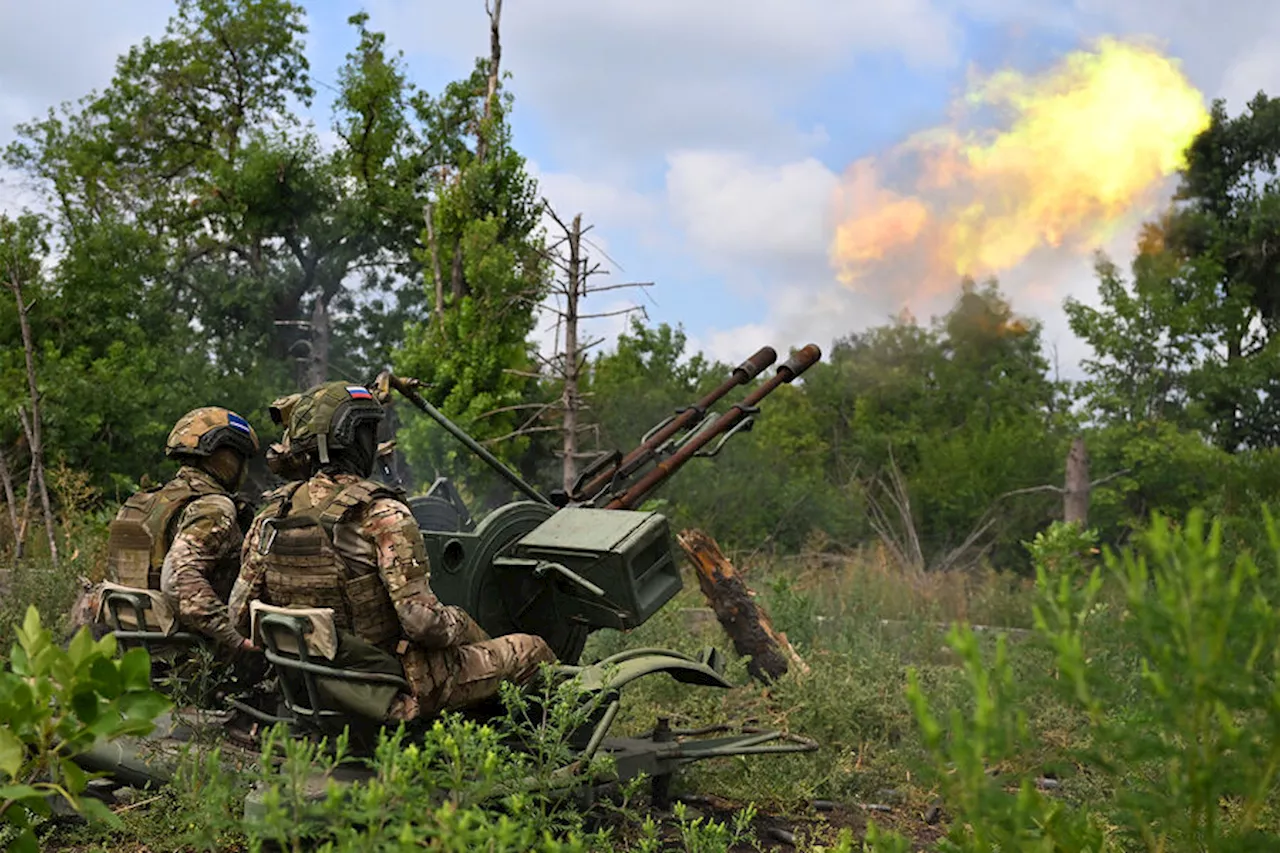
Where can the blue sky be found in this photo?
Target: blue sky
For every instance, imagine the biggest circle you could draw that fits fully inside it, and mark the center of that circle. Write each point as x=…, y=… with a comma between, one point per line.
x=704, y=140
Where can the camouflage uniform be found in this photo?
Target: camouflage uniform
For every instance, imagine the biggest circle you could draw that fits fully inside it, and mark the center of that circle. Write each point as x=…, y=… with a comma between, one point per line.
x=184, y=537
x=341, y=541
x=201, y=566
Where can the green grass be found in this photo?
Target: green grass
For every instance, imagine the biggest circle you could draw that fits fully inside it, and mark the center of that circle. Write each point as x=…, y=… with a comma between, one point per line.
x=866, y=631
x=853, y=699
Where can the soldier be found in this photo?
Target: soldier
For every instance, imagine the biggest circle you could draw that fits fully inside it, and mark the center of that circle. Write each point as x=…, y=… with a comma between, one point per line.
x=342, y=541
x=184, y=537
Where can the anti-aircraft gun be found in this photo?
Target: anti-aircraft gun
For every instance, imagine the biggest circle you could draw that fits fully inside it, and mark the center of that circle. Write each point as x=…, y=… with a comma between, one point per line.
x=564, y=565
x=560, y=566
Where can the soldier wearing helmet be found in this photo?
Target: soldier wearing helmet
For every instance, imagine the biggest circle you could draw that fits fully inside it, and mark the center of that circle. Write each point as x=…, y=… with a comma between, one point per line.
x=342, y=541
x=184, y=537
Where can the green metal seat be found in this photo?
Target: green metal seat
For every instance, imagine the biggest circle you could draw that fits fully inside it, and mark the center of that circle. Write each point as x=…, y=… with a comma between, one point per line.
x=144, y=617
x=305, y=647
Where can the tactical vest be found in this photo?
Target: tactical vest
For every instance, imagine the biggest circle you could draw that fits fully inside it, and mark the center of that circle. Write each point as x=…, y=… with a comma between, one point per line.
x=315, y=557
x=143, y=529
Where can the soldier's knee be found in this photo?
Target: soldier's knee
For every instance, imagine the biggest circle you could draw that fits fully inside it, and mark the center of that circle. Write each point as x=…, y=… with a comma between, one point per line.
x=537, y=651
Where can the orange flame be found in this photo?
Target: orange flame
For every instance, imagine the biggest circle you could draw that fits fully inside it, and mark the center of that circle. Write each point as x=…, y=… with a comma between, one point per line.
x=1088, y=144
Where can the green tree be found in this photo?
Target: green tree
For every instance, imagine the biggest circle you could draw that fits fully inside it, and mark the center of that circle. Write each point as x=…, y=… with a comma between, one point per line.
x=1215, y=258
x=944, y=405
x=475, y=354
x=212, y=249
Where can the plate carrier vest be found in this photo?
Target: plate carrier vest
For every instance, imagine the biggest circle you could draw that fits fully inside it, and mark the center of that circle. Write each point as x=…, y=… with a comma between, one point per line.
x=311, y=561
x=143, y=529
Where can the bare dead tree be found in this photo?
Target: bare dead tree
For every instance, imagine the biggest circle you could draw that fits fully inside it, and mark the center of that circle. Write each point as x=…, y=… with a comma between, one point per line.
x=14, y=282
x=569, y=399
x=433, y=246
x=571, y=285
x=10, y=500
x=457, y=283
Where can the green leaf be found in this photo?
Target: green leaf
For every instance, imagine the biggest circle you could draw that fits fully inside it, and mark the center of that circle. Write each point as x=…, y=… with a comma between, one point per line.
x=19, y=662
x=75, y=776
x=25, y=842
x=20, y=792
x=106, y=677
x=84, y=702
x=135, y=669
x=30, y=625
x=12, y=753
x=95, y=809
x=108, y=721
x=81, y=646
x=143, y=705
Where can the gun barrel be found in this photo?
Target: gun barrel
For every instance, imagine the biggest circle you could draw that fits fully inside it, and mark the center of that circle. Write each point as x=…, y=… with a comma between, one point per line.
x=797, y=364
x=493, y=462
x=741, y=375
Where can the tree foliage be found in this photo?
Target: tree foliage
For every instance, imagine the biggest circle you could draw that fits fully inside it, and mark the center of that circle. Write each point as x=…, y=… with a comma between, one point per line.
x=206, y=242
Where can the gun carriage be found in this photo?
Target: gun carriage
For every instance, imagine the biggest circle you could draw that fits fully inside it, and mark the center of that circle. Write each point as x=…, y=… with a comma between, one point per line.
x=560, y=566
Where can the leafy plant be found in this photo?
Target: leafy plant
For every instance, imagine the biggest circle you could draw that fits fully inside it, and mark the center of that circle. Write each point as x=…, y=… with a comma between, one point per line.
x=992, y=813
x=1063, y=549
x=56, y=704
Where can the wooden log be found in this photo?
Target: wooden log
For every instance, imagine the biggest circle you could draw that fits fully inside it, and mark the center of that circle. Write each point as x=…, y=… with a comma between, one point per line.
x=743, y=619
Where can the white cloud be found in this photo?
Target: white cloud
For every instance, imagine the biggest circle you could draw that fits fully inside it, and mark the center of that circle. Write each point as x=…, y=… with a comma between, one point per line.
x=615, y=82
x=733, y=346
x=58, y=50
x=729, y=204
x=604, y=205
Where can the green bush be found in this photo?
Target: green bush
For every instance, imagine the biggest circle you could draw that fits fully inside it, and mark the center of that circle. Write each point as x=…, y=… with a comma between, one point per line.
x=1177, y=686
x=56, y=704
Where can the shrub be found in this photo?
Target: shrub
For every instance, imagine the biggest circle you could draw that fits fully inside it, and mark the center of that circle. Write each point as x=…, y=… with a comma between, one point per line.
x=1178, y=691
x=56, y=704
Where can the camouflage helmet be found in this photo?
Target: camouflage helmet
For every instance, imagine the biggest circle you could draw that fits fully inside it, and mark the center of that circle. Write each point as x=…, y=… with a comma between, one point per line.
x=325, y=417
x=202, y=431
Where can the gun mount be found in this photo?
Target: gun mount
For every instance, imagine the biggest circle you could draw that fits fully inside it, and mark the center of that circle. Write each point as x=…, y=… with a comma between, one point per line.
x=565, y=565
x=557, y=567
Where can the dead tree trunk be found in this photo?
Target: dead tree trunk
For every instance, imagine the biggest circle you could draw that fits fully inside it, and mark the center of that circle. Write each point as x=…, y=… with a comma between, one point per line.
x=570, y=396
x=20, y=545
x=495, y=70
x=457, y=282
x=318, y=361
x=37, y=479
x=10, y=500
x=33, y=428
x=1075, y=495
x=433, y=246
x=745, y=621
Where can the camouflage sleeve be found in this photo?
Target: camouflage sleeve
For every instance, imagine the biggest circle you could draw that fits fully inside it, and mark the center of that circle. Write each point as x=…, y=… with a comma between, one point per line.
x=248, y=586
x=207, y=533
x=402, y=562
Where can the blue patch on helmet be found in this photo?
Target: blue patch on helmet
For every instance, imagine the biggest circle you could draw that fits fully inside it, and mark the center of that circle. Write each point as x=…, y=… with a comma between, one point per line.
x=238, y=422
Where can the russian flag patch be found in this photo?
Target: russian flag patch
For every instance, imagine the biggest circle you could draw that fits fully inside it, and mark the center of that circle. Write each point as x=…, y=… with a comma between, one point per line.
x=237, y=422
x=359, y=392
